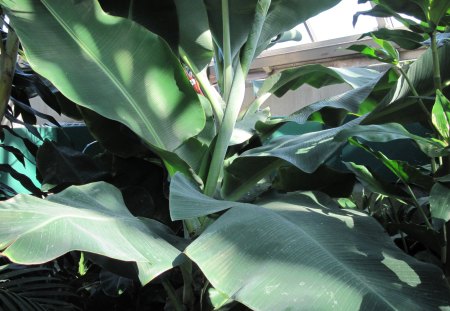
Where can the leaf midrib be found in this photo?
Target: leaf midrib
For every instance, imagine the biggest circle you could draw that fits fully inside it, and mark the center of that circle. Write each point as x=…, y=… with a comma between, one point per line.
x=108, y=73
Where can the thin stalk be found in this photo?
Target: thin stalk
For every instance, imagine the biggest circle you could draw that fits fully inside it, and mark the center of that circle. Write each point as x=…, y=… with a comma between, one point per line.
x=417, y=204
x=8, y=60
x=213, y=97
x=436, y=66
x=402, y=235
x=172, y=295
x=210, y=92
x=227, y=57
x=256, y=104
x=444, y=248
x=414, y=91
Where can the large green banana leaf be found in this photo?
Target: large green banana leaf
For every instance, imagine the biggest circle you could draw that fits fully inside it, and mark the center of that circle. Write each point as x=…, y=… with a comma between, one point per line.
x=290, y=252
x=110, y=65
x=183, y=24
x=91, y=218
x=306, y=152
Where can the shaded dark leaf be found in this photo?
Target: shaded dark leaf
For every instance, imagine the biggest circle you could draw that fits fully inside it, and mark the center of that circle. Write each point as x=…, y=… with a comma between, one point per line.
x=65, y=166
x=23, y=179
x=16, y=152
x=324, y=179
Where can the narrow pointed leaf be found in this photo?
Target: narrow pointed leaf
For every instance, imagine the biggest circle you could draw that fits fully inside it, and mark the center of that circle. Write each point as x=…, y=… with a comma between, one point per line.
x=441, y=115
x=91, y=218
x=400, y=105
x=440, y=202
x=389, y=132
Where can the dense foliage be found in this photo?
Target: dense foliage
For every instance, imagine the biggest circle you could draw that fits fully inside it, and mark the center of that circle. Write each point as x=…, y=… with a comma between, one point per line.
x=188, y=202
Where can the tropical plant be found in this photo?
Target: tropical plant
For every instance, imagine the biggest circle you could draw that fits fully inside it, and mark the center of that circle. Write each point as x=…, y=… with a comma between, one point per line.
x=242, y=241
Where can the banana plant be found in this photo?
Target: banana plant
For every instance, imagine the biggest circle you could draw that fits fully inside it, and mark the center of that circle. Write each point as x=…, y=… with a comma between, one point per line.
x=296, y=251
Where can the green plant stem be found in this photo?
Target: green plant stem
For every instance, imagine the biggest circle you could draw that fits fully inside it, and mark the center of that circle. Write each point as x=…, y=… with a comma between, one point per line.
x=402, y=235
x=8, y=60
x=234, y=95
x=436, y=66
x=256, y=104
x=227, y=57
x=417, y=204
x=213, y=97
x=226, y=130
x=172, y=295
x=210, y=92
x=414, y=91
x=444, y=248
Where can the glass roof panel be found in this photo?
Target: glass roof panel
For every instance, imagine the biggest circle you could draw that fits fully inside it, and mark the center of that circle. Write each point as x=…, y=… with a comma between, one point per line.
x=337, y=21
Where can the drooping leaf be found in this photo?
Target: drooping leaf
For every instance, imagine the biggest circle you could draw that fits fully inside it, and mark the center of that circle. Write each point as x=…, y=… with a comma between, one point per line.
x=371, y=52
x=153, y=97
x=325, y=179
x=405, y=39
x=306, y=152
x=113, y=136
x=91, y=218
x=64, y=166
x=440, y=202
x=389, y=132
x=373, y=183
x=276, y=256
x=24, y=180
x=400, y=105
x=441, y=115
x=15, y=152
x=316, y=76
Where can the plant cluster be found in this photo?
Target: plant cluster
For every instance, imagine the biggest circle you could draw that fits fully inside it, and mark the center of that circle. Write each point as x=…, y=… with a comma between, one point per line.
x=189, y=202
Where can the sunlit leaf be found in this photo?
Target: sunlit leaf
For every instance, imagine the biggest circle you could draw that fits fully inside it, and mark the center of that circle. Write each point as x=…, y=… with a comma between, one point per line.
x=91, y=218
x=128, y=74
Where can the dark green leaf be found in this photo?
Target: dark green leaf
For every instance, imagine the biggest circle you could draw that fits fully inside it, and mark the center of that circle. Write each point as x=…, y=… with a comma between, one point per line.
x=324, y=179
x=373, y=183
x=400, y=105
x=15, y=152
x=23, y=179
x=59, y=165
x=388, y=132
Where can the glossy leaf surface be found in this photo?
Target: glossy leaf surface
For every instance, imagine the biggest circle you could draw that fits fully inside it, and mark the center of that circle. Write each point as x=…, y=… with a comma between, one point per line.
x=279, y=256
x=91, y=218
x=152, y=97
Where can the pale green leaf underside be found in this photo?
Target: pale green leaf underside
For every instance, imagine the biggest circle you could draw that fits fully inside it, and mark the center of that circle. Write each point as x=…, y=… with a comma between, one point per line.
x=110, y=65
x=287, y=256
x=91, y=218
x=440, y=202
